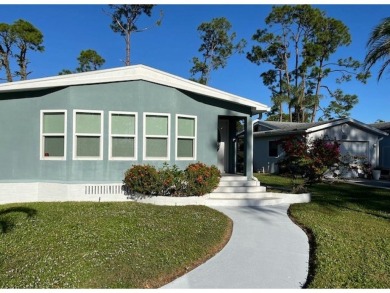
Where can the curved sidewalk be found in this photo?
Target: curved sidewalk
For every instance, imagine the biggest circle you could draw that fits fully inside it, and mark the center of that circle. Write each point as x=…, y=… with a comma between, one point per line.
x=266, y=250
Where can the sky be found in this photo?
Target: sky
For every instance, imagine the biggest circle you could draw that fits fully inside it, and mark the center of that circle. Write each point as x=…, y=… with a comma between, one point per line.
x=70, y=28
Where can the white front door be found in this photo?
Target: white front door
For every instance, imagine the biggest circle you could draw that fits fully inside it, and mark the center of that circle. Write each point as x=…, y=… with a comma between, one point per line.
x=223, y=145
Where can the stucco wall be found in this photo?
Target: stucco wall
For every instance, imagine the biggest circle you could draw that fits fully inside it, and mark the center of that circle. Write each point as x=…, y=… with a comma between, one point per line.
x=20, y=128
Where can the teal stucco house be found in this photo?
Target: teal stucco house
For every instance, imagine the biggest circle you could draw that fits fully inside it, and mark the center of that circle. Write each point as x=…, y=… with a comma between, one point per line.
x=72, y=136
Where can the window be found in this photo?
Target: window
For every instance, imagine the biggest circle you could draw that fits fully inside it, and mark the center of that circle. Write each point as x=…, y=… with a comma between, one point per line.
x=156, y=136
x=273, y=148
x=88, y=132
x=123, y=136
x=185, y=137
x=53, y=135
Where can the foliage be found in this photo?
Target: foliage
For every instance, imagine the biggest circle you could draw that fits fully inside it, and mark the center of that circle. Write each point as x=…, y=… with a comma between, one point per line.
x=15, y=41
x=379, y=46
x=348, y=227
x=310, y=159
x=124, y=21
x=217, y=46
x=142, y=179
x=89, y=60
x=196, y=180
x=201, y=179
x=299, y=49
x=105, y=245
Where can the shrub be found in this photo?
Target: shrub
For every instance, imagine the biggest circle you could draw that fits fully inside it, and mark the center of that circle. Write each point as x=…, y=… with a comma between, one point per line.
x=196, y=180
x=201, y=179
x=170, y=180
x=309, y=159
x=142, y=179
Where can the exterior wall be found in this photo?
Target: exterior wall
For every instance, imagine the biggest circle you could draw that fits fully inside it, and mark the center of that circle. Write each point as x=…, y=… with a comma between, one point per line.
x=20, y=128
x=262, y=162
x=345, y=133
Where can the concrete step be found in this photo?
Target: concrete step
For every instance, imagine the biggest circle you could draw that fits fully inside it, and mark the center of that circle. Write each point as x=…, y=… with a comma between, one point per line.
x=239, y=195
x=239, y=183
x=240, y=189
x=245, y=202
x=233, y=178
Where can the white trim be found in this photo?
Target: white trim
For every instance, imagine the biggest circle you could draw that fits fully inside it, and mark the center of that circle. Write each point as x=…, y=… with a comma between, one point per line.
x=42, y=135
x=111, y=136
x=75, y=135
x=129, y=73
x=194, y=138
x=168, y=137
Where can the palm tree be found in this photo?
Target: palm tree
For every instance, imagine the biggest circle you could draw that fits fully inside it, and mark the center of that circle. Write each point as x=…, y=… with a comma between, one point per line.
x=379, y=46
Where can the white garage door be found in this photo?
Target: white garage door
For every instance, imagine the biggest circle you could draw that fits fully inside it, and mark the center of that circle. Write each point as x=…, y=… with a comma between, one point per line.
x=355, y=148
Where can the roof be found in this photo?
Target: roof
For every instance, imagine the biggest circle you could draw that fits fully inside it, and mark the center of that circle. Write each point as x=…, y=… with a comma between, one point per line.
x=384, y=126
x=130, y=73
x=291, y=128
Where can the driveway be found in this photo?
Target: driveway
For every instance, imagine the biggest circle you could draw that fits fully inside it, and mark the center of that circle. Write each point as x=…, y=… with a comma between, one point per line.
x=266, y=250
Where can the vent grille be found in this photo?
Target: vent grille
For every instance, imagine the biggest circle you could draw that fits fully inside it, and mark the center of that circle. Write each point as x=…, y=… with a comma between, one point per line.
x=106, y=189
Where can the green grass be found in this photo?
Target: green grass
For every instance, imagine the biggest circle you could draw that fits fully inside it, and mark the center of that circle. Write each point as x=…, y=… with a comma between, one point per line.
x=349, y=227
x=105, y=245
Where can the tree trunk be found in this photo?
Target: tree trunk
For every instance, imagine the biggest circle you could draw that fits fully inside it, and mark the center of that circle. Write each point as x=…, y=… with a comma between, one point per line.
x=127, y=63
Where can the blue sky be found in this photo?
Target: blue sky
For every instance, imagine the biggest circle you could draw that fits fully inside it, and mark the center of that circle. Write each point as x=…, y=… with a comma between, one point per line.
x=68, y=29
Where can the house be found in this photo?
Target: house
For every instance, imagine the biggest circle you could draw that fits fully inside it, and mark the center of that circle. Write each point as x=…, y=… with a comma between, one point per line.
x=384, y=145
x=75, y=134
x=355, y=138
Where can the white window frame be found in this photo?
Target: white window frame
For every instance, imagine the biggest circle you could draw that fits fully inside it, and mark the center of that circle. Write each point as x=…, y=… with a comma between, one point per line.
x=43, y=135
x=168, y=137
x=194, y=138
x=75, y=135
x=111, y=136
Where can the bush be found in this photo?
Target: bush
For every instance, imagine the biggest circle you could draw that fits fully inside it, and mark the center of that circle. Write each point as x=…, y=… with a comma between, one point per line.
x=201, y=179
x=309, y=159
x=142, y=179
x=196, y=180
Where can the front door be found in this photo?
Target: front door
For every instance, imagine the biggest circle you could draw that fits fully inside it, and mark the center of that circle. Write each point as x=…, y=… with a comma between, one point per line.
x=223, y=145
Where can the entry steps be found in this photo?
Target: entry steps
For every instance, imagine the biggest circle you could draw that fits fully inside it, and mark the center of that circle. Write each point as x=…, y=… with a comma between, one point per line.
x=235, y=190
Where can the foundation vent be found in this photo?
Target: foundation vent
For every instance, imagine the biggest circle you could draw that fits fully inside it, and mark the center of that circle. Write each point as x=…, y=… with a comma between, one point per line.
x=106, y=189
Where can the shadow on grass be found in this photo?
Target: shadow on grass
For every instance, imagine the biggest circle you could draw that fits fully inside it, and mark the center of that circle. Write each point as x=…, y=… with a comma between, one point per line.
x=362, y=199
x=7, y=223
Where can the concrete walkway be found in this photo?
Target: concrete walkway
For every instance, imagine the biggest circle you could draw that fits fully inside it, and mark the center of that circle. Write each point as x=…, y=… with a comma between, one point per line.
x=266, y=250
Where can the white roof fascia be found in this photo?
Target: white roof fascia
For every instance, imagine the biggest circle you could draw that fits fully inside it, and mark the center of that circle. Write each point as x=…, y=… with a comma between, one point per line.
x=345, y=120
x=128, y=73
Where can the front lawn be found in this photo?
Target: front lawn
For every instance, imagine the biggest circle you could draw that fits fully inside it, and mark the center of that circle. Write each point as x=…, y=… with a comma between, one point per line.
x=350, y=226
x=105, y=245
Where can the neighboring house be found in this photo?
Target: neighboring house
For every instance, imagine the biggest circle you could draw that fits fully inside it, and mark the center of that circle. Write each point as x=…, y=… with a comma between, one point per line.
x=355, y=138
x=384, y=145
x=67, y=133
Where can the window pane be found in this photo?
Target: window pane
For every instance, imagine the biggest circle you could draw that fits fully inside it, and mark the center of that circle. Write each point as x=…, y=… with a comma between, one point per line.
x=122, y=124
x=88, y=146
x=54, y=146
x=156, y=147
x=53, y=123
x=186, y=126
x=88, y=123
x=273, y=149
x=156, y=125
x=185, y=148
x=122, y=147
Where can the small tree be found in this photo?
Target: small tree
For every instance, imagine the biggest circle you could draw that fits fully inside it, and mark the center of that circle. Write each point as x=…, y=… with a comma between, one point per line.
x=89, y=60
x=15, y=41
x=124, y=21
x=310, y=159
x=217, y=46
